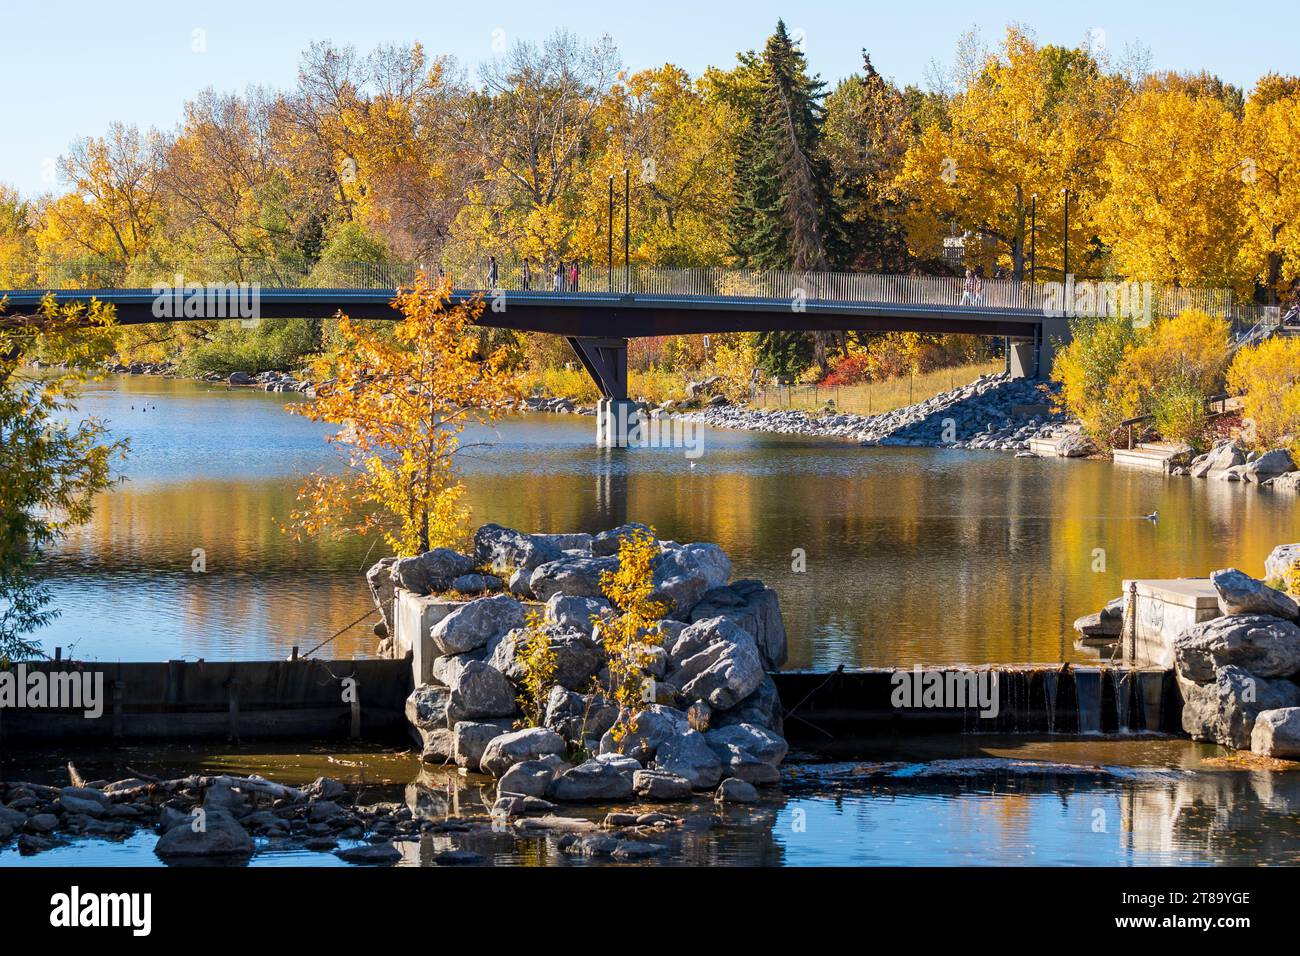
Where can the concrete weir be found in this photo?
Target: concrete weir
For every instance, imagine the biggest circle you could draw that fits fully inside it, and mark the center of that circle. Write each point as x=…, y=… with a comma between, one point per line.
x=311, y=699
x=207, y=699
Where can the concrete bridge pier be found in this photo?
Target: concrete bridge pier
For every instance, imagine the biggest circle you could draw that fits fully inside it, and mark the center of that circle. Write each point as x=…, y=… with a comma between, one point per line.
x=1033, y=358
x=615, y=420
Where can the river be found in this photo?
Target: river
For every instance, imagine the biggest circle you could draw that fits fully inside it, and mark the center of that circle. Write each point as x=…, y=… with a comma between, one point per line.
x=912, y=555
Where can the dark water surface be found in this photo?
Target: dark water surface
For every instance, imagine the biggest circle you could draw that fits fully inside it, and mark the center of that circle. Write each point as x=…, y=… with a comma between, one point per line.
x=1161, y=802
x=912, y=555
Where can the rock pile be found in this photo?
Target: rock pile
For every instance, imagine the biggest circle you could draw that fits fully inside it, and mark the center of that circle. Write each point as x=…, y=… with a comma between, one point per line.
x=1237, y=673
x=204, y=816
x=711, y=710
x=1229, y=461
x=983, y=414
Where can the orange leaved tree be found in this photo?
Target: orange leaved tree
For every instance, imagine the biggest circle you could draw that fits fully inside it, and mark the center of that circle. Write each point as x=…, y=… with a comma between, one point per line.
x=401, y=399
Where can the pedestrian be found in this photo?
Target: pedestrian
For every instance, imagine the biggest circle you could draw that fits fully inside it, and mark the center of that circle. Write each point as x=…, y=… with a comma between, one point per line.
x=968, y=288
x=573, y=276
x=493, y=274
x=442, y=275
x=979, y=287
x=559, y=275
x=526, y=274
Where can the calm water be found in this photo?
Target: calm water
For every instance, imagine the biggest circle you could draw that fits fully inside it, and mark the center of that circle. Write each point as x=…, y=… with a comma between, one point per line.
x=1171, y=805
x=913, y=555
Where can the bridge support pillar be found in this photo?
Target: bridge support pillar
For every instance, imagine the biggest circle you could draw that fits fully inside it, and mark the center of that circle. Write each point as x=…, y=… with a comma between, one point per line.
x=616, y=420
x=1033, y=358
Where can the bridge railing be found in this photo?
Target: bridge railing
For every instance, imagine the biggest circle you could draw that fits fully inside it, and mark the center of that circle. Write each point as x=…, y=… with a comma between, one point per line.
x=469, y=271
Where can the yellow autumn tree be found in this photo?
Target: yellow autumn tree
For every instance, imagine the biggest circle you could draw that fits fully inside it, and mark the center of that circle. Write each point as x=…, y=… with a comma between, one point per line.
x=1172, y=206
x=1026, y=121
x=631, y=633
x=1270, y=174
x=401, y=400
x=1176, y=366
x=17, y=244
x=1266, y=377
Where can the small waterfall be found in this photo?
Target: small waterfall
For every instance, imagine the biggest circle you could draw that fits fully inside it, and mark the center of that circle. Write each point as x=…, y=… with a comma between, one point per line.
x=1151, y=698
x=1049, y=695
x=1123, y=681
x=1087, y=689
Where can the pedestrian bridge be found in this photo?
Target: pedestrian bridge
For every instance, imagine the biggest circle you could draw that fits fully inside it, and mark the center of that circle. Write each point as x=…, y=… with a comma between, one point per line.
x=608, y=307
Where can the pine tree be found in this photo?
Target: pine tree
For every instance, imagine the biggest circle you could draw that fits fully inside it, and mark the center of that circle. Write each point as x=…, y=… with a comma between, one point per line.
x=787, y=215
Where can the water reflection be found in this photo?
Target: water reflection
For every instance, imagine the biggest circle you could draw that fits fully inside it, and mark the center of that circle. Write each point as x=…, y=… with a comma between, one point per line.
x=1156, y=801
x=913, y=555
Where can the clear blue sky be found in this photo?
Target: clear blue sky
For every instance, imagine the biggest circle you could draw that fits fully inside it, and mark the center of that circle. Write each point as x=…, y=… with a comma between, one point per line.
x=71, y=67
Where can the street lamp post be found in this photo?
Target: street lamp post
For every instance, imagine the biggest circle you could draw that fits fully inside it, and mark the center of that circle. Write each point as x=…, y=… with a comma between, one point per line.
x=1065, y=254
x=627, y=229
x=1033, y=235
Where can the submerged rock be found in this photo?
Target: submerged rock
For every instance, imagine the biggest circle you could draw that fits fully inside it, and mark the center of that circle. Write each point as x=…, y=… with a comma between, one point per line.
x=214, y=834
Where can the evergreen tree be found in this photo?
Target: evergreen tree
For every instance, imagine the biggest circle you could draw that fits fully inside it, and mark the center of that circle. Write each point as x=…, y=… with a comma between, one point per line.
x=787, y=215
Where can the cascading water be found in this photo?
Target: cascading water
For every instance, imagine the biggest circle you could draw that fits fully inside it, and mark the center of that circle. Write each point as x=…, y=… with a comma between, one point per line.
x=1049, y=695
x=1151, y=697
x=1123, y=681
x=1087, y=689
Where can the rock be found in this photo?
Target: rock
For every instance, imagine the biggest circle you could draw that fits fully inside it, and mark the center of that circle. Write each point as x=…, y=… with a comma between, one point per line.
x=738, y=762
x=505, y=550
x=1264, y=646
x=1224, y=710
x=518, y=585
x=682, y=575
x=574, y=575
x=529, y=778
x=481, y=691
x=470, y=738
x=1098, y=625
x=1280, y=560
x=373, y=854
x=568, y=541
x=591, y=781
x=1076, y=445
x=220, y=836
x=716, y=662
x=762, y=743
x=761, y=708
x=41, y=823
x=660, y=785
x=755, y=609
x=237, y=378
x=532, y=743
x=1277, y=733
x=650, y=727
x=477, y=583
x=380, y=581
x=593, y=845
x=84, y=800
x=735, y=790
x=429, y=722
x=325, y=788
x=1239, y=593
x=689, y=755
x=577, y=656
x=446, y=670
x=431, y=572
x=323, y=811
x=575, y=613
x=608, y=542
x=1219, y=459
x=577, y=716
x=473, y=625
x=1269, y=465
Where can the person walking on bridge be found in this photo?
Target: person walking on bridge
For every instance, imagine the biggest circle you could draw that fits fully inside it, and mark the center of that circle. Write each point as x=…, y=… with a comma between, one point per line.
x=526, y=274
x=493, y=275
x=968, y=288
x=573, y=276
x=559, y=275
